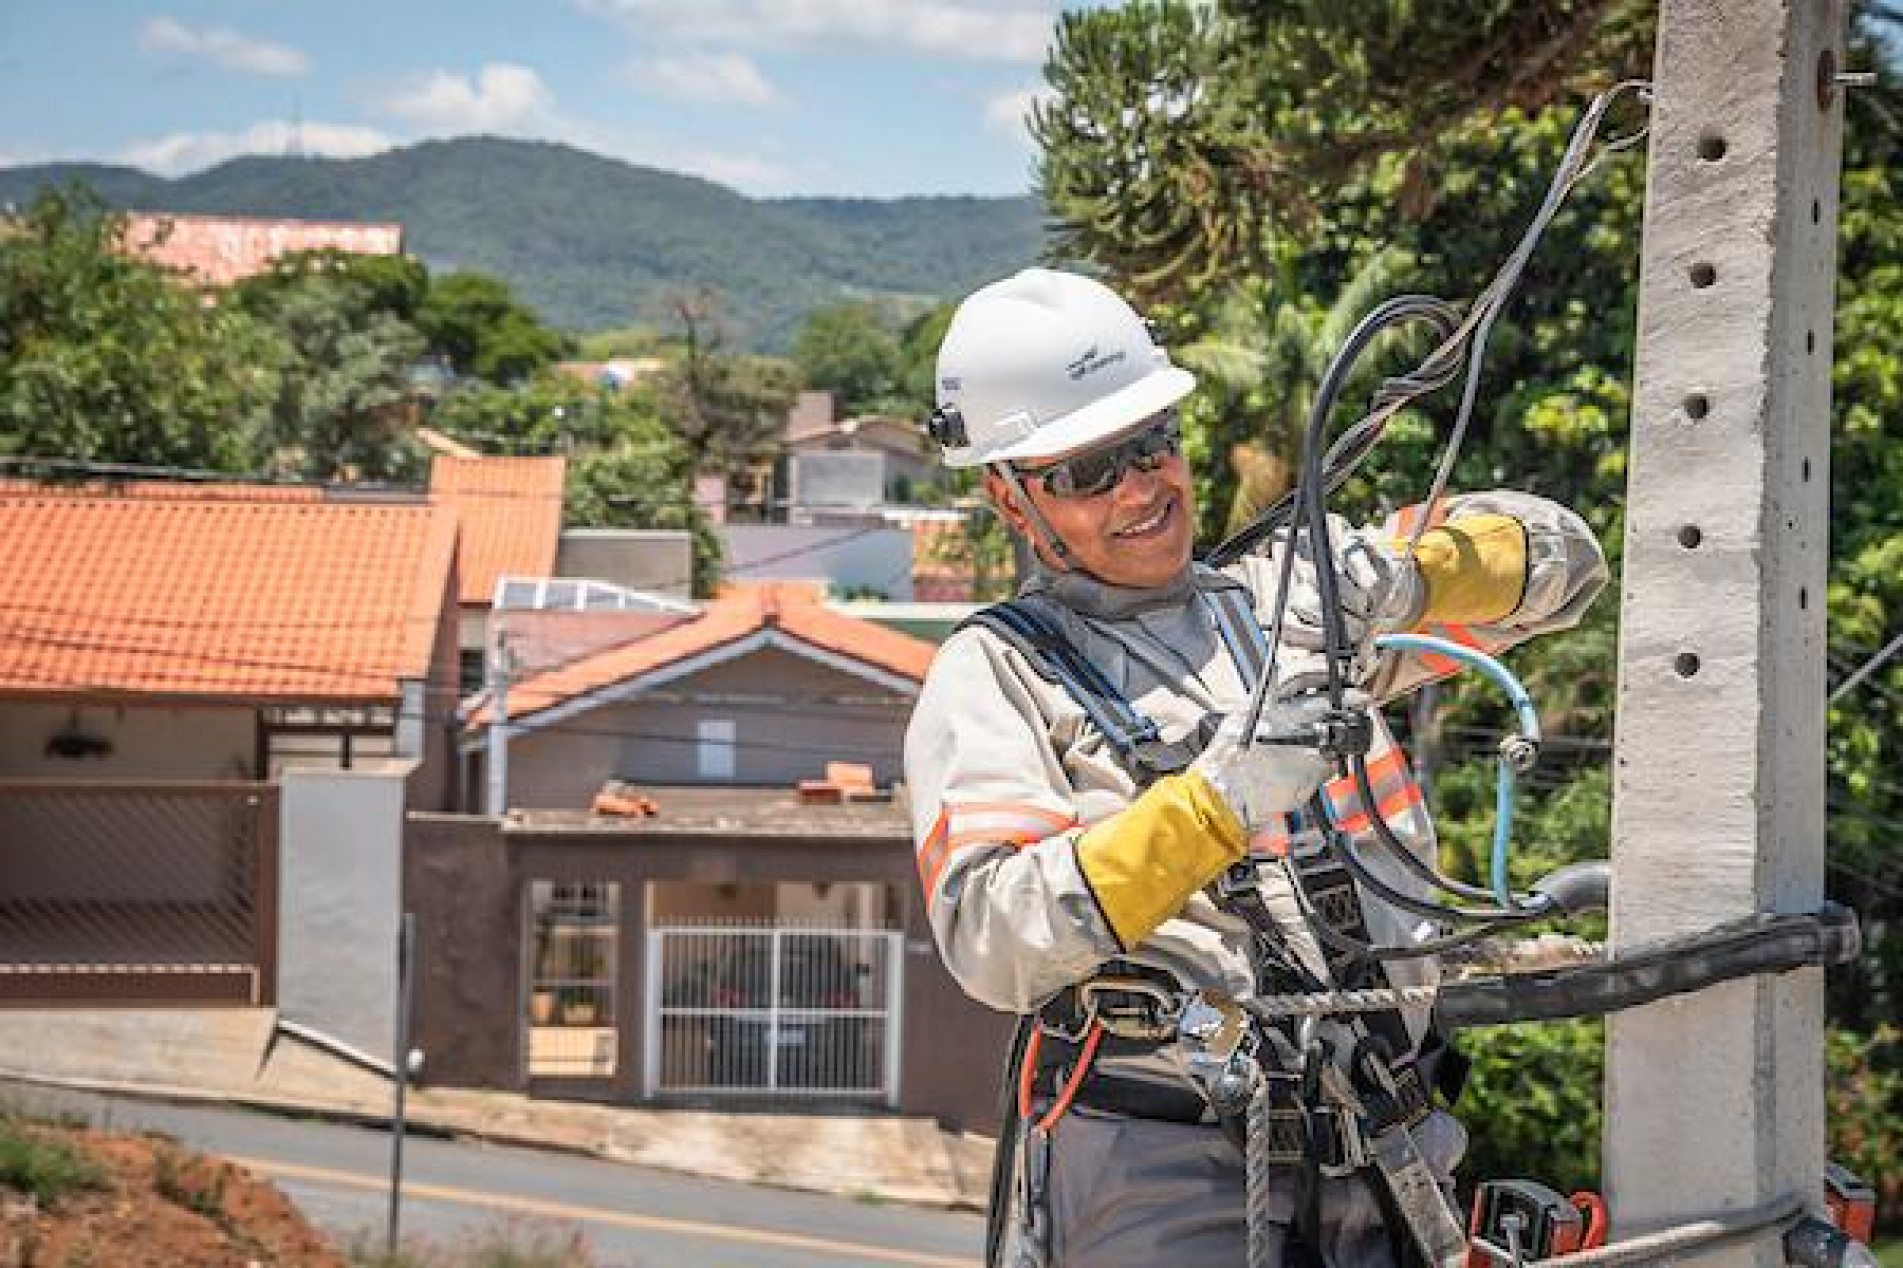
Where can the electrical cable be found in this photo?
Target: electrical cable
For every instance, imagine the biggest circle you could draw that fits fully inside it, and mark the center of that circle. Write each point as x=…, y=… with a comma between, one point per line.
x=1306, y=506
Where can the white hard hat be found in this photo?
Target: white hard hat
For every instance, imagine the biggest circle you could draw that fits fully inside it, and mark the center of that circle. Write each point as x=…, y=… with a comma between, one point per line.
x=1042, y=364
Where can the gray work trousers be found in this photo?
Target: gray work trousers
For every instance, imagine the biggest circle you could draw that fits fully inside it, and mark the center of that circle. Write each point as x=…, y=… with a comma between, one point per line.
x=1136, y=1193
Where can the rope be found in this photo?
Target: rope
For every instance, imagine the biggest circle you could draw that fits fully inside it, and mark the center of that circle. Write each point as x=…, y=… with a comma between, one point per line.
x=1258, y=1172
x=1331, y=1003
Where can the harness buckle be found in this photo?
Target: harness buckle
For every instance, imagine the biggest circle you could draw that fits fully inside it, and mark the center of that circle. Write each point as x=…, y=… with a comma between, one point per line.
x=1129, y=1007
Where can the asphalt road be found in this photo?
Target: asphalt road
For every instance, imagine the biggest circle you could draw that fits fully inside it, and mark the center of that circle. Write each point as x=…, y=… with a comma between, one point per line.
x=631, y=1217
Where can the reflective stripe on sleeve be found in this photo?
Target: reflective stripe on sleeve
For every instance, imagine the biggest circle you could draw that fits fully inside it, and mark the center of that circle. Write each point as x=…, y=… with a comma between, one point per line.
x=984, y=823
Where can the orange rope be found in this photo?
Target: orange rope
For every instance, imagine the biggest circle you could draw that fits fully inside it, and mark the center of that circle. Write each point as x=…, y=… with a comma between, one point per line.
x=1068, y=1092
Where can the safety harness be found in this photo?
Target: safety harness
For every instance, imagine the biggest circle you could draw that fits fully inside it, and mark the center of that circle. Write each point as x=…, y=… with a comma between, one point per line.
x=1282, y=1091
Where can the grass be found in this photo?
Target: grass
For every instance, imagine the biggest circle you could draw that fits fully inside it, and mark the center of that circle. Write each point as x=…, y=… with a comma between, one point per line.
x=185, y=1179
x=1889, y=1254
x=42, y=1167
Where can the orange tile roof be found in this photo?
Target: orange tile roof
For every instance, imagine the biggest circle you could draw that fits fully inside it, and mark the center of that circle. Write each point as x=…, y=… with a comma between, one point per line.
x=220, y=250
x=164, y=490
x=267, y=600
x=742, y=610
x=511, y=511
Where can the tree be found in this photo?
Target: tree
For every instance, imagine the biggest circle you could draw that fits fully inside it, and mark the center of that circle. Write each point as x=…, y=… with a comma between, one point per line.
x=627, y=468
x=846, y=349
x=342, y=407
x=106, y=358
x=729, y=409
x=476, y=322
x=1268, y=151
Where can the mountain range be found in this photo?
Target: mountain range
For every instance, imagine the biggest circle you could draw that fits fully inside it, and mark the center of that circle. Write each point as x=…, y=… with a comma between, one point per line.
x=593, y=242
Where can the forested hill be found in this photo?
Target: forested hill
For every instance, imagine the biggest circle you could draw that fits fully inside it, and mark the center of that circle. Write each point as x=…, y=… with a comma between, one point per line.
x=593, y=242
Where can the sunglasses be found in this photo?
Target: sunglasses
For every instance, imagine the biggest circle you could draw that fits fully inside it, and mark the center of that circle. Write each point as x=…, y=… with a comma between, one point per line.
x=1100, y=470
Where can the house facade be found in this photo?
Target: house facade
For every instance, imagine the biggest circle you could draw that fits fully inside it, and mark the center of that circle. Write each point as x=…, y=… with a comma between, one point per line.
x=172, y=660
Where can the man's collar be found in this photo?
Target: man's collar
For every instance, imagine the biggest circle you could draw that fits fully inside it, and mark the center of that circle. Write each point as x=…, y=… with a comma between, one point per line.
x=1085, y=594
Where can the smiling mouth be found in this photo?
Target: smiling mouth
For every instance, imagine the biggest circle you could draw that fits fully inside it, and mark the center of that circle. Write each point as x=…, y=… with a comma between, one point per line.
x=1155, y=521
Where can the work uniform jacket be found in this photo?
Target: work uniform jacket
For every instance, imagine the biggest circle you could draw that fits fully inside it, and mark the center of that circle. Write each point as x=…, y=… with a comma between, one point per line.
x=1004, y=769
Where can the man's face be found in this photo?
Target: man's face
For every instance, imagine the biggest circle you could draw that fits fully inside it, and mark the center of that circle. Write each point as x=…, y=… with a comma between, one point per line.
x=1138, y=533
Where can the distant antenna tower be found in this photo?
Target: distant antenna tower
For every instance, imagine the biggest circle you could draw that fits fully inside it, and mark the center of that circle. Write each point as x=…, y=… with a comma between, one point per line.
x=294, y=140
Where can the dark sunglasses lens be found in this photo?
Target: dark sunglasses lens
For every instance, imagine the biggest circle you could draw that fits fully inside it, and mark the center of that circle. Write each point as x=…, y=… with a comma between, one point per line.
x=1087, y=476
x=1093, y=473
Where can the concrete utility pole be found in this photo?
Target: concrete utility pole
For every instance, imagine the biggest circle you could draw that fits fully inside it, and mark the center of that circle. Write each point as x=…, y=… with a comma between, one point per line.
x=1714, y=1101
x=495, y=799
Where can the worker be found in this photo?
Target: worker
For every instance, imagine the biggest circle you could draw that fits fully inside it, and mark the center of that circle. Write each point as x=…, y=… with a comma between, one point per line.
x=1053, y=852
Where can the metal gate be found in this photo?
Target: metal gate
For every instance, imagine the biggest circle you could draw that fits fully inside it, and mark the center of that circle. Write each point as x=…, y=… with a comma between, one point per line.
x=120, y=892
x=779, y=1011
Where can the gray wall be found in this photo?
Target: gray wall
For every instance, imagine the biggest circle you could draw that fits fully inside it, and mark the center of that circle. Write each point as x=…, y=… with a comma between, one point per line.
x=340, y=892
x=791, y=716
x=655, y=559
x=147, y=743
x=875, y=558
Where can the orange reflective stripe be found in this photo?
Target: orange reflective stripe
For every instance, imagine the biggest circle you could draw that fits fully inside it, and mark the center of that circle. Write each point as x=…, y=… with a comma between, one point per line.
x=984, y=823
x=1407, y=517
x=1393, y=804
x=933, y=852
x=1273, y=838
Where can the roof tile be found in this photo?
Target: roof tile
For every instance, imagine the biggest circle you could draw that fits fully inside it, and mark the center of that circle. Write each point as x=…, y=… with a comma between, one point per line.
x=511, y=511
x=264, y=599
x=742, y=610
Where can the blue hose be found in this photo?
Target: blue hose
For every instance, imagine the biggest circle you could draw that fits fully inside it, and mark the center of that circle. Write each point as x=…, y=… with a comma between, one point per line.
x=1517, y=752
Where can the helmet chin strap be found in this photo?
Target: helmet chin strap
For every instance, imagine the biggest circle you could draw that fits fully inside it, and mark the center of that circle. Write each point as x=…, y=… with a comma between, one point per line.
x=1041, y=527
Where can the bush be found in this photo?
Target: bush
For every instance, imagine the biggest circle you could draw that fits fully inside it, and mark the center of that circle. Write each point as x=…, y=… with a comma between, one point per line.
x=41, y=1167
x=1864, y=1097
x=1532, y=1102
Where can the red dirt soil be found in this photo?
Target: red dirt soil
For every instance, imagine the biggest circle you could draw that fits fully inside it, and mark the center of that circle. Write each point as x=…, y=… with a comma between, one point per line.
x=163, y=1205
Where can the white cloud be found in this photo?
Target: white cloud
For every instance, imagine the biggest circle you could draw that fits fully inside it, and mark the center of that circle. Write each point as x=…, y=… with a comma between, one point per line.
x=501, y=98
x=995, y=30
x=706, y=77
x=1009, y=112
x=183, y=152
x=221, y=46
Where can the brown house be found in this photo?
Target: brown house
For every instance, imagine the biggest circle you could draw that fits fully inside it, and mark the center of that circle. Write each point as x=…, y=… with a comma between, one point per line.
x=704, y=889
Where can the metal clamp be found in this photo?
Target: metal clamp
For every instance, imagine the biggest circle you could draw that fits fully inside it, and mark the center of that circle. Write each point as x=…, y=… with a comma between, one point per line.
x=1129, y=1007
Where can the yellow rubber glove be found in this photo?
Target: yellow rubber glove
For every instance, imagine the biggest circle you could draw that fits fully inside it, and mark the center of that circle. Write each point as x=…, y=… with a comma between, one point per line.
x=1473, y=568
x=1145, y=861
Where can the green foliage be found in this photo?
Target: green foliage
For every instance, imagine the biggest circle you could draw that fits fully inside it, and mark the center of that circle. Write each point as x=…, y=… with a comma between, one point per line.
x=590, y=242
x=627, y=468
x=1532, y=1103
x=107, y=359
x=43, y=1167
x=188, y=1179
x=1864, y=1093
x=474, y=320
x=730, y=408
x=342, y=361
x=847, y=350
x=1239, y=168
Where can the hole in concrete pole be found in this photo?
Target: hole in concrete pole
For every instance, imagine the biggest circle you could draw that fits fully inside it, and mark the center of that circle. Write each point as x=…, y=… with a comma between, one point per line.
x=1803, y=598
x=1805, y=472
x=1711, y=147
x=1703, y=275
x=1685, y=664
x=1810, y=341
x=1816, y=212
x=1689, y=537
x=1697, y=405
x=1826, y=78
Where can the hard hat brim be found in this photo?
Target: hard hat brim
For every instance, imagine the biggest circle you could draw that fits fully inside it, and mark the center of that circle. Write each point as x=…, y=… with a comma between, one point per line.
x=1101, y=420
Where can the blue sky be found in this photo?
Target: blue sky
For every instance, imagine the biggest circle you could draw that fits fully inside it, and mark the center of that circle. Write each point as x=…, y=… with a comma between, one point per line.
x=874, y=98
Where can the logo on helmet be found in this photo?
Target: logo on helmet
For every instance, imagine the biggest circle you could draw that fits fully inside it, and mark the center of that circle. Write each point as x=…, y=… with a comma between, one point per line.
x=1090, y=362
